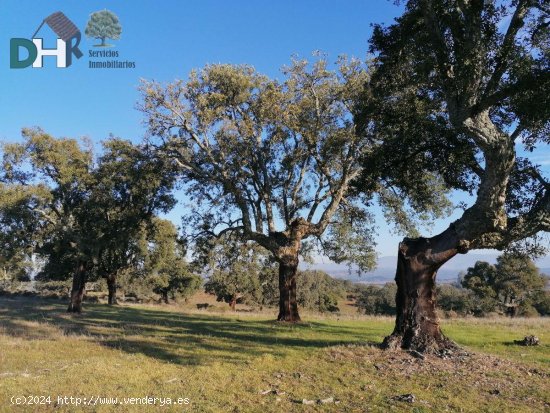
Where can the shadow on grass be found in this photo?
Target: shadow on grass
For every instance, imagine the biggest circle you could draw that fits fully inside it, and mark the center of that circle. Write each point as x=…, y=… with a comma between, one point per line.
x=188, y=339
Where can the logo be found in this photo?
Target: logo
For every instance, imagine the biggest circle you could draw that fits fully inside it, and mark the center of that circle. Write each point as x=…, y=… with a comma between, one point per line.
x=67, y=44
x=103, y=25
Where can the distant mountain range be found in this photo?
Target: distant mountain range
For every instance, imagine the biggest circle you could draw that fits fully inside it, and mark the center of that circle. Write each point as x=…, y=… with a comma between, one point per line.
x=385, y=271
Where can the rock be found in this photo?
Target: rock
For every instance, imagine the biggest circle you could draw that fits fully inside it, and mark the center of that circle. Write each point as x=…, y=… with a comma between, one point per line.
x=326, y=401
x=407, y=398
x=273, y=391
x=528, y=341
x=309, y=402
x=445, y=353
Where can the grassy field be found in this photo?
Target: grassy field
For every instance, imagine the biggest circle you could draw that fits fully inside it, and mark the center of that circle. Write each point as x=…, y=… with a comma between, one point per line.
x=249, y=363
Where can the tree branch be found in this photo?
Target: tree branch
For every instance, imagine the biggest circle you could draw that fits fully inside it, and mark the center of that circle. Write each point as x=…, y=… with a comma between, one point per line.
x=516, y=23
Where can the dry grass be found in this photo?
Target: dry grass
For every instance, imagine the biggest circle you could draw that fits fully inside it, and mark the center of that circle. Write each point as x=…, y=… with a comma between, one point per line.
x=224, y=362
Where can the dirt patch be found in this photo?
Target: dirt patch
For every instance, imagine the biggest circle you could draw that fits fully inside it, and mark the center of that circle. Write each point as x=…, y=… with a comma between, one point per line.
x=486, y=377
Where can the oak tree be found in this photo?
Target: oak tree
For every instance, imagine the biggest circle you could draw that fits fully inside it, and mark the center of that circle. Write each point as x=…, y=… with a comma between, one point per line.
x=77, y=212
x=512, y=282
x=161, y=256
x=103, y=24
x=272, y=161
x=459, y=87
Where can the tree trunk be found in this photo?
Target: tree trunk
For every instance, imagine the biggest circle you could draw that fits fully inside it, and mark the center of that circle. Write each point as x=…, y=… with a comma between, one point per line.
x=165, y=297
x=288, y=306
x=417, y=325
x=78, y=289
x=111, y=285
x=103, y=41
x=233, y=302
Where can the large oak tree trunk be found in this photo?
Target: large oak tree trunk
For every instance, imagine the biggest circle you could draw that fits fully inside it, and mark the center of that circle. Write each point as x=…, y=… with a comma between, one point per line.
x=78, y=289
x=417, y=325
x=111, y=285
x=288, y=306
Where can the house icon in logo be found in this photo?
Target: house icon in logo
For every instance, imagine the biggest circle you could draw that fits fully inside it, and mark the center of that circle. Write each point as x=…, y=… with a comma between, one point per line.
x=67, y=44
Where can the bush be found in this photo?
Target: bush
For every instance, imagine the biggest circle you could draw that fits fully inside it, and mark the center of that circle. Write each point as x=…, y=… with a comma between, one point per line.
x=316, y=290
x=378, y=300
x=527, y=310
x=61, y=288
x=541, y=302
x=455, y=300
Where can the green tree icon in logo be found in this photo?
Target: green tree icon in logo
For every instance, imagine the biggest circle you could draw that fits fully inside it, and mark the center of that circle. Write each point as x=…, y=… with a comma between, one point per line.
x=103, y=25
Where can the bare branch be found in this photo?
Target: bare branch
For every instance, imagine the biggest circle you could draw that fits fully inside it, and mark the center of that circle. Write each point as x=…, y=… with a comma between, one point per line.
x=516, y=23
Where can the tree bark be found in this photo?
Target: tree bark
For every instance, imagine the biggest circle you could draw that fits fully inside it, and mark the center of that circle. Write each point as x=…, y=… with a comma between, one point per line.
x=233, y=302
x=111, y=285
x=78, y=289
x=288, y=306
x=417, y=325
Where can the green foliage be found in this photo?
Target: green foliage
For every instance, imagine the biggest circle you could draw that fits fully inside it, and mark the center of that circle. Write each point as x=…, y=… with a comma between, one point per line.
x=16, y=266
x=540, y=301
x=173, y=280
x=456, y=84
x=318, y=291
x=60, y=203
x=162, y=262
x=480, y=279
x=454, y=300
x=47, y=183
x=130, y=187
x=377, y=300
x=102, y=25
x=239, y=271
x=258, y=154
x=513, y=281
x=345, y=241
x=235, y=287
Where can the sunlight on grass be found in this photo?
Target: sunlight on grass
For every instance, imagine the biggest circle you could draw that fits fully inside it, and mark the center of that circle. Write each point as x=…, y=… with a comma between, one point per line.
x=229, y=360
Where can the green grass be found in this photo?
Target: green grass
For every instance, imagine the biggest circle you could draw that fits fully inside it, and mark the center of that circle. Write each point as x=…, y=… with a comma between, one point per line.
x=224, y=362
x=497, y=335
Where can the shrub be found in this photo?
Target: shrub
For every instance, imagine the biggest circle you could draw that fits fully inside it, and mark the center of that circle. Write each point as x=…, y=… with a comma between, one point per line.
x=378, y=300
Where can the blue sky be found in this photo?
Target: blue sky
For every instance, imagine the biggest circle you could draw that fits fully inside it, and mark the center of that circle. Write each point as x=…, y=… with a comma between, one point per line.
x=167, y=39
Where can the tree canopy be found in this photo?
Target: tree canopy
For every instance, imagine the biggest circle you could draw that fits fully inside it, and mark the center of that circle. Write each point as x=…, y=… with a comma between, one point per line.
x=272, y=161
x=235, y=270
x=458, y=87
x=163, y=263
x=463, y=92
x=514, y=281
x=102, y=25
x=82, y=214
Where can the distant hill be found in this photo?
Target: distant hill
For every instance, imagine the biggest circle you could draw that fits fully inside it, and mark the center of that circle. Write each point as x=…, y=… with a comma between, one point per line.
x=385, y=271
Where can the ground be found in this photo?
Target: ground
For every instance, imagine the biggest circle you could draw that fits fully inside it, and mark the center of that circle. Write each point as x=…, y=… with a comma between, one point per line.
x=246, y=362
